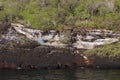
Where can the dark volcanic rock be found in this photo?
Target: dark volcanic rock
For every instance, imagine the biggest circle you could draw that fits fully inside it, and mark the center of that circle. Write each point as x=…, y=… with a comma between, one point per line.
x=105, y=61
x=39, y=57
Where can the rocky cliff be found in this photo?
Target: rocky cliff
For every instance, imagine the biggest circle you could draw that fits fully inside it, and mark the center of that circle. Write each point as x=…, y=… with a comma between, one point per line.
x=19, y=52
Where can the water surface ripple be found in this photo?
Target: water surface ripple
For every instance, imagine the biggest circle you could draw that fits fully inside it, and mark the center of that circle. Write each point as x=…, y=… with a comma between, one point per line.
x=60, y=74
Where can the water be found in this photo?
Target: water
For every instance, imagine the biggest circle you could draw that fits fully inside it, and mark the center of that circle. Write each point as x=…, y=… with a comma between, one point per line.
x=61, y=74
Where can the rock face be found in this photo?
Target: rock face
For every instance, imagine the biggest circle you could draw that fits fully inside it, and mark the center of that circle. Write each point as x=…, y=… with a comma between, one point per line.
x=19, y=52
x=39, y=57
x=51, y=37
x=95, y=38
x=105, y=62
x=90, y=40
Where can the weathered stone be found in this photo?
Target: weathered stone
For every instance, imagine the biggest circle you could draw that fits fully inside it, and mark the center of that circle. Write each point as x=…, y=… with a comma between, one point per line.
x=22, y=53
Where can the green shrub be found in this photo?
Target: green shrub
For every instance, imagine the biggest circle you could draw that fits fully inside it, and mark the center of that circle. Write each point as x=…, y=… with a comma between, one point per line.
x=58, y=13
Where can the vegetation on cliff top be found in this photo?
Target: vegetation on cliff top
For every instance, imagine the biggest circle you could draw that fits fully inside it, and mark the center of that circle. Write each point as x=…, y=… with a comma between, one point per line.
x=58, y=13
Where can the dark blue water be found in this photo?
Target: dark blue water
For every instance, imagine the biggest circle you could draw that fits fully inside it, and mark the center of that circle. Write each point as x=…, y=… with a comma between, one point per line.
x=61, y=74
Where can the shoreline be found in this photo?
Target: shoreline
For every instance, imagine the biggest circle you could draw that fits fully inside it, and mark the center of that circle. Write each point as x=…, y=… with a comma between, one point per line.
x=20, y=52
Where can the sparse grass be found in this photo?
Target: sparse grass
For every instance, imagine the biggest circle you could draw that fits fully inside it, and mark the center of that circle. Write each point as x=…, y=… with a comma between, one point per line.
x=110, y=50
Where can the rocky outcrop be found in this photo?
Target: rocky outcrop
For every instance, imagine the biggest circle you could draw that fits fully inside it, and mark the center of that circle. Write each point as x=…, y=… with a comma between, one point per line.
x=89, y=40
x=40, y=57
x=19, y=52
x=105, y=62
x=48, y=57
